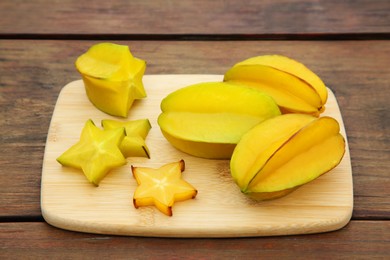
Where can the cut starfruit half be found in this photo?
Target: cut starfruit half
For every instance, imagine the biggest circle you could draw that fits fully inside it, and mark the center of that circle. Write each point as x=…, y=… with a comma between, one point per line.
x=112, y=77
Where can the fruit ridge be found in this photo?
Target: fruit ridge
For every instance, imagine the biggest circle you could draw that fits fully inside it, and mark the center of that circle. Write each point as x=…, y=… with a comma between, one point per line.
x=294, y=87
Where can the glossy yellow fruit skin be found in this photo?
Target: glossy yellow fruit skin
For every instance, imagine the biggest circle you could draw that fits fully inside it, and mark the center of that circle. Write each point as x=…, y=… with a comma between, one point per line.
x=208, y=119
x=258, y=145
x=292, y=67
x=112, y=77
x=294, y=87
x=283, y=153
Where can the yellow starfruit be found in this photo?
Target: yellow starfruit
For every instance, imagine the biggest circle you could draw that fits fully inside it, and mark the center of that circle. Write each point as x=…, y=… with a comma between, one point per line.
x=161, y=187
x=293, y=86
x=112, y=77
x=283, y=153
x=96, y=153
x=133, y=145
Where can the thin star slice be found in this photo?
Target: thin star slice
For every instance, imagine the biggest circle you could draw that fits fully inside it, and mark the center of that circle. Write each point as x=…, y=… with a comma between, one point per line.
x=96, y=153
x=161, y=187
x=133, y=145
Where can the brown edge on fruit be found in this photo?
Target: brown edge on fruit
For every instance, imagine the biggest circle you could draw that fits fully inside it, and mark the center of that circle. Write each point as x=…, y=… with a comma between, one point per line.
x=182, y=165
x=146, y=152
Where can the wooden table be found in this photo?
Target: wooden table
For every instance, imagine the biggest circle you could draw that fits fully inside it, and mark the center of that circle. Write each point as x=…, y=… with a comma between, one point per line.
x=347, y=43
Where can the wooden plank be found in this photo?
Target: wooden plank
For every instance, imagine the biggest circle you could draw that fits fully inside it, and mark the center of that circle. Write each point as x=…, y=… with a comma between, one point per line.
x=213, y=18
x=69, y=201
x=359, y=240
x=32, y=74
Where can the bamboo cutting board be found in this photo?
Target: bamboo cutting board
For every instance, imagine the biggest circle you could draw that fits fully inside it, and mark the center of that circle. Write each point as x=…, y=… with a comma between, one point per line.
x=70, y=202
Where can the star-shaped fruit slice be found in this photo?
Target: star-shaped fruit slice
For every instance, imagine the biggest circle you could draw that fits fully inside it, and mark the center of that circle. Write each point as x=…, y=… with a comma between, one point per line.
x=133, y=145
x=162, y=187
x=96, y=153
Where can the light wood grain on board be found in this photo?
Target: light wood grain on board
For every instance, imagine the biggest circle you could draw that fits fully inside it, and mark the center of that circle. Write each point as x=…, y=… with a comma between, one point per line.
x=68, y=201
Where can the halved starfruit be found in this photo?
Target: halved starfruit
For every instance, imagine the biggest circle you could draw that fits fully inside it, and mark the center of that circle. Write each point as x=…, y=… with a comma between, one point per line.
x=112, y=77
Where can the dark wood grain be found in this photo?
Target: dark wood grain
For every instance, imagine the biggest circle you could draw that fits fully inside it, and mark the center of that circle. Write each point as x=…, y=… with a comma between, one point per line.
x=32, y=74
x=37, y=240
x=177, y=17
x=40, y=40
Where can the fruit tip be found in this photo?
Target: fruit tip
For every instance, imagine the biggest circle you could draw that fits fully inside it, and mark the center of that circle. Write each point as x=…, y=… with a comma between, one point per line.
x=182, y=165
x=169, y=211
x=146, y=152
x=135, y=203
x=195, y=193
x=96, y=184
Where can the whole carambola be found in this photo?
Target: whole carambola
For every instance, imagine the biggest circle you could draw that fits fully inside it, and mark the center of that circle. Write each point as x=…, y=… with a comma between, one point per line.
x=282, y=153
x=294, y=87
x=208, y=119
